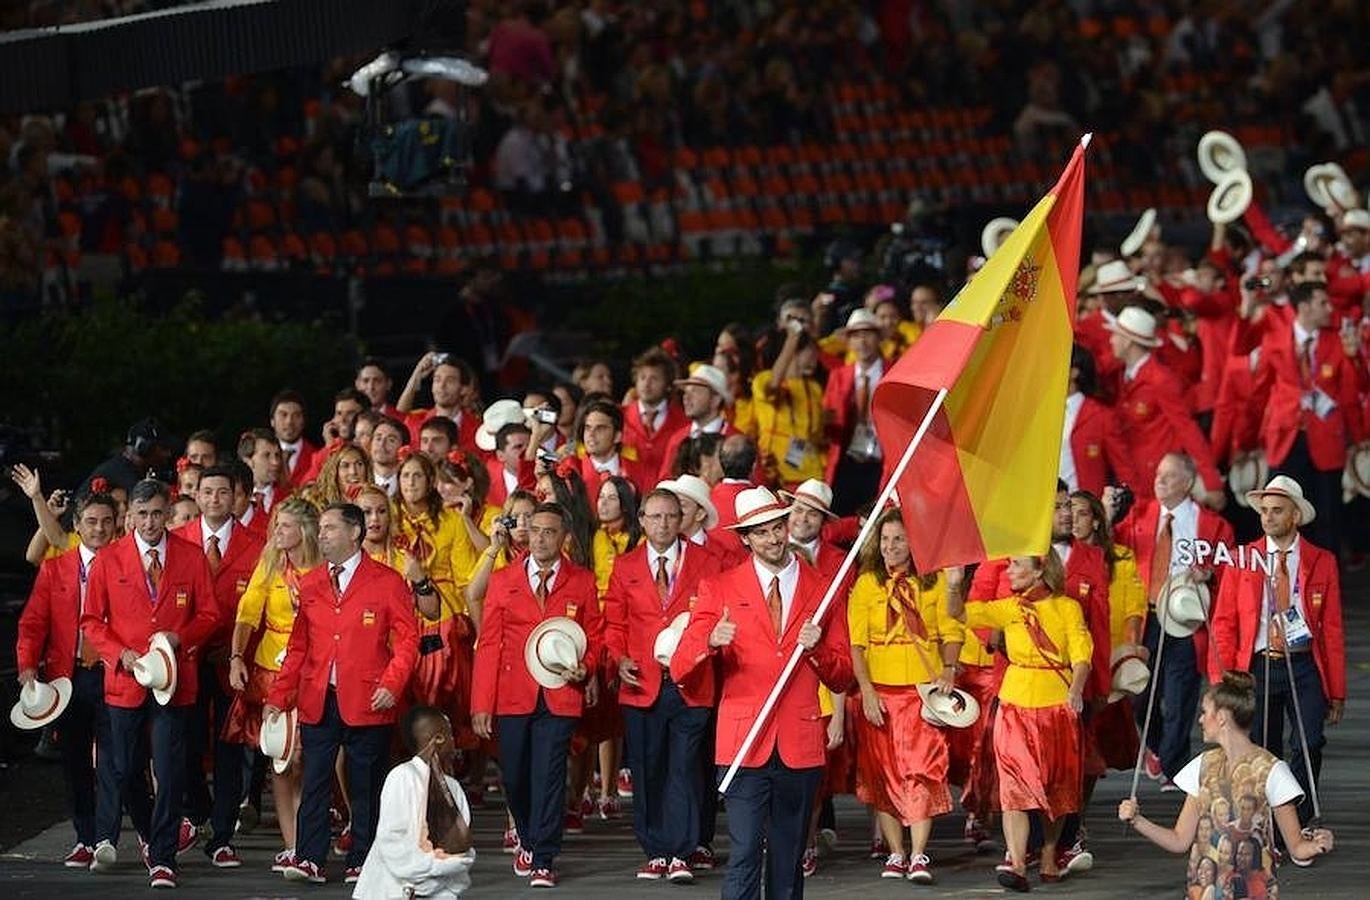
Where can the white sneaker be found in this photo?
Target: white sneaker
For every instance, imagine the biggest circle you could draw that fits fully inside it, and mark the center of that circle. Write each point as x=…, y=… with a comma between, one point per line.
x=106, y=857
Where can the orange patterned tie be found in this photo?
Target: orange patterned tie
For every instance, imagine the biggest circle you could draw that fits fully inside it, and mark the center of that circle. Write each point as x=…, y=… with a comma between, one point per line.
x=774, y=606
x=214, y=555
x=1275, y=634
x=1160, y=558
x=154, y=570
x=544, y=576
x=663, y=580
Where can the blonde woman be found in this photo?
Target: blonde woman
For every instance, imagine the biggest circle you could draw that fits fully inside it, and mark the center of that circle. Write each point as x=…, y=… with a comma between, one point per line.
x=268, y=606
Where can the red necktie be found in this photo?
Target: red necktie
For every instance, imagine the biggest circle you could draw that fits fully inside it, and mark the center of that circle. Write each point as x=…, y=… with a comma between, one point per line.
x=335, y=573
x=1306, y=362
x=649, y=422
x=213, y=554
x=1275, y=634
x=544, y=577
x=154, y=571
x=774, y=606
x=663, y=580
x=1160, y=559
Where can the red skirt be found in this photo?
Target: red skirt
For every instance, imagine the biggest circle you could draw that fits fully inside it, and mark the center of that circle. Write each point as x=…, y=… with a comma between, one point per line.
x=904, y=763
x=1115, y=733
x=601, y=722
x=430, y=683
x=840, y=772
x=459, y=667
x=243, y=724
x=1038, y=759
x=969, y=748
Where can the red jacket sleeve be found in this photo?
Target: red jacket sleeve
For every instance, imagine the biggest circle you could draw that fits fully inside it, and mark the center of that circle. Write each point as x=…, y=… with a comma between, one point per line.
x=831, y=656
x=1332, y=636
x=615, y=621
x=592, y=620
x=693, y=649
x=1222, y=629
x=404, y=639
x=485, y=668
x=1264, y=232
x=206, y=619
x=36, y=619
x=1190, y=438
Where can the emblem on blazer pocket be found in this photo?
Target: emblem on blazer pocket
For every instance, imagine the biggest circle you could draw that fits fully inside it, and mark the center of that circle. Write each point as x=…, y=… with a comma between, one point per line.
x=571, y=610
x=240, y=586
x=1317, y=598
x=1092, y=451
x=1140, y=408
x=182, y=598
x=1326, y=371
x=368, y=617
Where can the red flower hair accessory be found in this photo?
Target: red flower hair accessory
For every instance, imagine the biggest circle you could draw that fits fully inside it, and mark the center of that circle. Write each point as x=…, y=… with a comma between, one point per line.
x=183, y=463
x=405, y=452
x=99, y=485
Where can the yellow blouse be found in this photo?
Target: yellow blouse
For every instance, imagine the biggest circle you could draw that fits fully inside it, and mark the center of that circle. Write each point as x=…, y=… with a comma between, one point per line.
x=451, y=557
x=1126, y=595
x=606, y=548
x=893, y=654
x=268, y=594
x=73, y=541
x=1032, y=680
x=743, y=415
x=795, y=415
x=973, y=652
x=488, y=517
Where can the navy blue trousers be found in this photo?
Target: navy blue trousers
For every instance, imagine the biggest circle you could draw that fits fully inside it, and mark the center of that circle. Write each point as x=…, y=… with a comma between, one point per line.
x=532, y=759
x=769, y=804
x=205, y=729
x=366, y=746
x=665, y=742
x=1312, y=703
x=1177, y=687
x=119, y=773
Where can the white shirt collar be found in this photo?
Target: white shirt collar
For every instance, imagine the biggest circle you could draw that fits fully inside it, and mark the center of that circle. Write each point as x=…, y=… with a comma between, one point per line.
x=534, y=567
x=1302, y=336
x=1271, y=549
x=144, y=547
x=613, y=466
x=223, y=533
x=1130, y=372
x=669, y=555
x=87, y=555
x=1074, y=402
x=873, y=372
x=789, y=580
x=391, y=482
x=293, y=446
x=713, y=426
x=699, y=537
x=349, y=568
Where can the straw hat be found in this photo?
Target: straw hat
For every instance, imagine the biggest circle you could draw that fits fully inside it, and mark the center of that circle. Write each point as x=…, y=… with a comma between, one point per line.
x=668, y=638
x=814, y=494
x=710, y=377
x=279, y=738
x=1139, y=233
x=1137, y=325
x=1230, y=198
x=1358, y=467
x=1248, y=472
x=757, y=506
x=40, y=702
x=1113, y=277
x=1130, y=673
x=1186, y=605
x=1355, y=218
x=995, y=232
x=555, y=647
x=696, y=489
x=496, y=416
x=956, y=709
x=1219, y=154
x=1284, y=486
x=862, y=320
x=156, y=669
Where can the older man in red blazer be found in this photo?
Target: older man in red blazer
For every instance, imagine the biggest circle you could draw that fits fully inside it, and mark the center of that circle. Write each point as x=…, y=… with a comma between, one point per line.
x=50, y=639
x=1285, y=628
x=535, y=723
x=853, y=455
x=748, y=621
x=231, y=550
x=352, y=649
x=664, y=723
x=1158, y=531
x=148, y=582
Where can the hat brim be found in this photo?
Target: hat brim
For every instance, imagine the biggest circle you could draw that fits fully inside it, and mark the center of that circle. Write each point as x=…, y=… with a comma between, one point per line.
x=1136, y=238
x=668, y=639
x=727, y=397
x=1315, y=180
x=760, y=517
x=541, y=674
x=484, y=439
x=23, y=721
x=160, y=642
x=706, y=504
x=1175, y=624
x=1306, y=511
x=1211, y=145
x=934, y=713
x=1152, y=342
x=1230, y=198
x=1126, y=286
x=810, y=502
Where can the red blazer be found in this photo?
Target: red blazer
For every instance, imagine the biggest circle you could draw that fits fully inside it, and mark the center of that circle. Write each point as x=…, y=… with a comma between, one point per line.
x=641, y=477
x=371, y=633
x=633, y=616
x=501, y=683
x=839, y=411
x=680, y=436
x=651, y=449
x=235, y=570
x=1138, y=531
x=466, y=428
x=751, y=664
x=1096, y=443
x=527, y=480
x=300, y=474
x=1091, y=334
x=724, y=497
x=1278, y=382
x=120, y=613
x=1237, y=615
x=1217, y=314
x=1236, y=415
x=50, y=620
x=1154, y=421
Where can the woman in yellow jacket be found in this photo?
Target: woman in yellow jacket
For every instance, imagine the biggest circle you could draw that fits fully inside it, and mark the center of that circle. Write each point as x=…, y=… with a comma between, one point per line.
x=788, y=402
x=901, y=636
x=268, y=606
x=1037, y=744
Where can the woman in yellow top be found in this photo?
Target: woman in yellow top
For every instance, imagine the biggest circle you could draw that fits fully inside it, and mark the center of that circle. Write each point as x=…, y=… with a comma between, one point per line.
x=464, y=483
x=269, y=605
x=619, y=529
x=1037, y=745
x=1113, y=726
x=901, y=636
x=897, y=333
x=789, y=411
x=736, y=365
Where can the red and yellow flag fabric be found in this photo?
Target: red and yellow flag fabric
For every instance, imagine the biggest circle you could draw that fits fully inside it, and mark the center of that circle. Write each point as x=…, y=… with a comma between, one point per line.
x=981, y=483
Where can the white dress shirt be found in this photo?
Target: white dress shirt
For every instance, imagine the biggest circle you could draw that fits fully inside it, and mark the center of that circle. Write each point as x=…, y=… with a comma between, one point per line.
x=223, y=533
x=671, y=555
x=789, y=580
x=534, y=567
x=389, y=483
x=1067, y=471
x=349, y=568
x=291, y=452
x=1184, y=526
x=1291, y=564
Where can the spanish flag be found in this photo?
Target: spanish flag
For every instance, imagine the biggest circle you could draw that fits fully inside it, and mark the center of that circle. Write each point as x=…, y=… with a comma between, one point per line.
x=980, y=485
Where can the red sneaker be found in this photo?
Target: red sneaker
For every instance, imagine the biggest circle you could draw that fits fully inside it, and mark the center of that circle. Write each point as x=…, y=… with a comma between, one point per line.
x=162, y=877
x=702, y=860
x=895, y=866
x=678, y=872
x=809, y=864
x=304, y=870
x=225, y=857
x=542, y=878
x=511, y=840
x=523, y=863
x=1152, y=764
x=188, y=836
x=920, y=869
x=352, y=874
x=608, y=808
x=343, y=845
x=653, y=869
x=977, y=835
x=574, y=823
x=587, y=805
x=1076, y=858
x=80, y=857
x=878, y=849
x=625, y=783
x=284, y=860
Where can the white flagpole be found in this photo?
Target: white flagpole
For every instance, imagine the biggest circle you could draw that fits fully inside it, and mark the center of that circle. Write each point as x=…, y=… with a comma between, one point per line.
x=890, y=486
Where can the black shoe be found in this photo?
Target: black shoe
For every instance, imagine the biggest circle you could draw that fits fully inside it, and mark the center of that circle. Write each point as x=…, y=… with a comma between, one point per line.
x=1014, y=882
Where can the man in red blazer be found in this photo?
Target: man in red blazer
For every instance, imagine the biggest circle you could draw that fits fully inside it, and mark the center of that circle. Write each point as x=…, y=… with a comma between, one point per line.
x=748, y=621
x=261, y=452
x=147, y=582
x=853, y=454
x=737, y=458
x=512, y=468
x=287, y=421
x=1174, y=521
x=652, y=418
x=1308, y=389
x=1154, y=417
x=1303, y=652
x=231, y=551
x=453, y=388
x=1092, y=446
x=601, y=440
x=703, y=395
x=352, y=649
x=50, y=638
x=664, y=723
x=533, y=723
